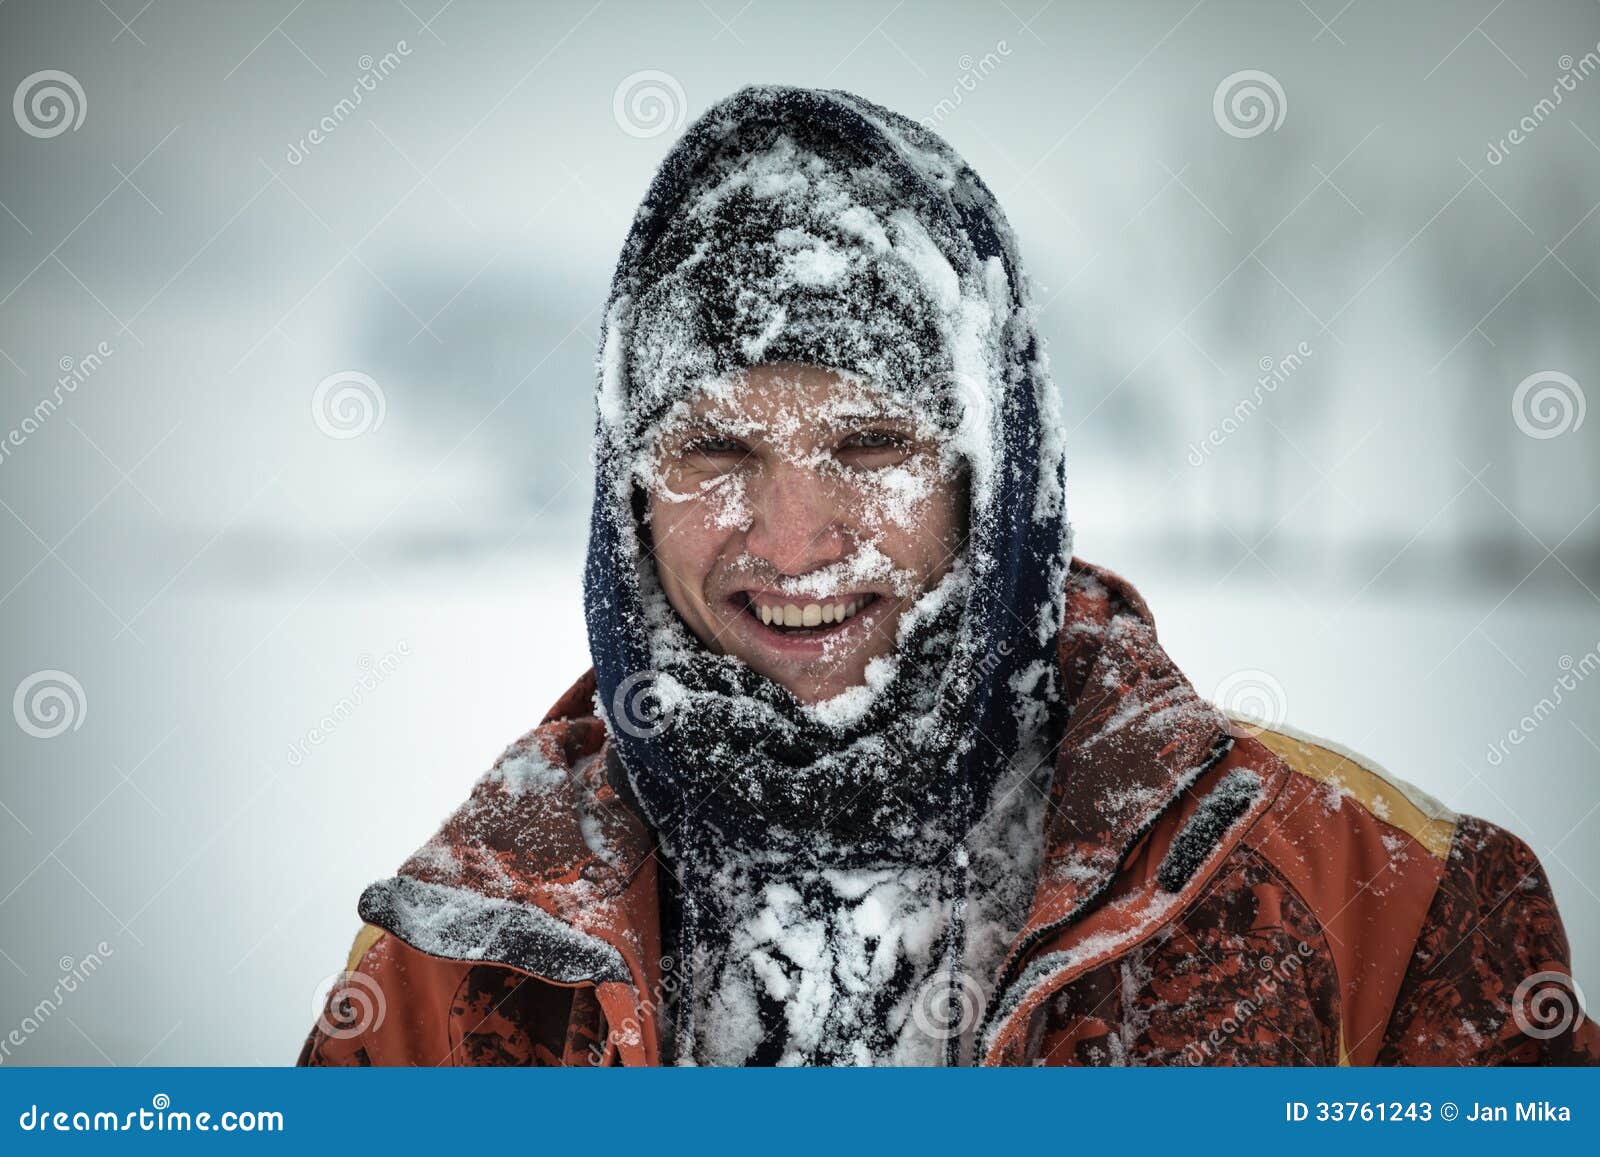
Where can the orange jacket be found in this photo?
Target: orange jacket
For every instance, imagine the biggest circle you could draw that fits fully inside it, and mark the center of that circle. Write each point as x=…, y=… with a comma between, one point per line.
x=1212, y=893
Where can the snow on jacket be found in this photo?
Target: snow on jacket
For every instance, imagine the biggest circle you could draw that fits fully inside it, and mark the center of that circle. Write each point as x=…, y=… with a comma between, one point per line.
x=1212, y=893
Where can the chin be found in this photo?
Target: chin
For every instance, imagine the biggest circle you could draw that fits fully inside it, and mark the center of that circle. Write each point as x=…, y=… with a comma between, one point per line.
x=809, y=688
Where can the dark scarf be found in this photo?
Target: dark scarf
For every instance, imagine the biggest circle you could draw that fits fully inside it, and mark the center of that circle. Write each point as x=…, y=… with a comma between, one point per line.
x=753, y=772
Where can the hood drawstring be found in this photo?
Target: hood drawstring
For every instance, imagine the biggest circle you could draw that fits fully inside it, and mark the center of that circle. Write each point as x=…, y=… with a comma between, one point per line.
x=955, y=952
x=683, y=1027
x=956, y=946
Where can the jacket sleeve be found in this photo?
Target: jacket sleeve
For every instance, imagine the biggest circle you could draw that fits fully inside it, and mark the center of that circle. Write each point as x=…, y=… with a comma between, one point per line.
x=1490, y=982
x=394, y=1005
x=390, y=1006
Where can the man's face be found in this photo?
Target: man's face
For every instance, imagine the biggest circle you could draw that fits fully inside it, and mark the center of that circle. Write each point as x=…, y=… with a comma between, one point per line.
x=795, y=515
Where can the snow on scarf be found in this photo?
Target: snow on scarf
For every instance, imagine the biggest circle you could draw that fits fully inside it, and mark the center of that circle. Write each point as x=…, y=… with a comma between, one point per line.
x=814, y=226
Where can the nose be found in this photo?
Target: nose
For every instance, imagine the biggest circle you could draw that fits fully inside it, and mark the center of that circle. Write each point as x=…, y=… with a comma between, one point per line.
x=797, y=524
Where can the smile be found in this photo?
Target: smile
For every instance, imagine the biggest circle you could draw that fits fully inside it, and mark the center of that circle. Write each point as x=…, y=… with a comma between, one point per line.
x=810, y=619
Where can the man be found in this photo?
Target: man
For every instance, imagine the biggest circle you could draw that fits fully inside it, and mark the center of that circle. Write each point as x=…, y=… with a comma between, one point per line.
x=869, y=770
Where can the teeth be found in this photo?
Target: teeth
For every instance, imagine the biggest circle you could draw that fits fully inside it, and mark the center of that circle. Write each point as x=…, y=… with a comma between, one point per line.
x=809, y=615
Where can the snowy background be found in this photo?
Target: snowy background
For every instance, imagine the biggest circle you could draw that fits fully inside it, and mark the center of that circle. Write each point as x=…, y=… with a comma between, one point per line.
x=1393, y=547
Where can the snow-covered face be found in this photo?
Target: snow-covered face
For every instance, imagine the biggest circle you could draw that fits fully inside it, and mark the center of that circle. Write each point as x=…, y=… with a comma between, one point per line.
x=795, y=515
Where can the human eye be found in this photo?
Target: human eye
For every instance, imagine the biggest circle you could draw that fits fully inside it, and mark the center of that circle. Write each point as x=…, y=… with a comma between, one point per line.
x=875, y=447
x=874, y=440
x=712, y=453
x=714, y=446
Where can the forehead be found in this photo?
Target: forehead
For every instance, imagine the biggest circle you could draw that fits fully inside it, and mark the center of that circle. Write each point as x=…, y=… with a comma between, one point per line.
x=773, y=395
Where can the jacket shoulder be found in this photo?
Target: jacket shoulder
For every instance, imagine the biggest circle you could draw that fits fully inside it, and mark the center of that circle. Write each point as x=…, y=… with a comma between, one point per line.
x=366, y=939
x=1365, y=852
x=1442, y=926
x=1347, y=775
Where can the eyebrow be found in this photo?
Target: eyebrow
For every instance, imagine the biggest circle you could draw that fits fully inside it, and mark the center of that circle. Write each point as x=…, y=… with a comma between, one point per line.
x=696, y=426
x=887, y=417
x=834, y=414
x=700, y=428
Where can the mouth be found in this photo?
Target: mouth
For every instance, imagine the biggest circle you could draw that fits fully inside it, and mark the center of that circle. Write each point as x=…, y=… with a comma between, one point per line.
x=785, y=620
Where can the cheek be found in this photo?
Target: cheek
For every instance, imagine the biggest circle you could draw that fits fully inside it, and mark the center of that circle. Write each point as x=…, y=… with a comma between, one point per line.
x=686, y=543
x=945, y=527
x=917, y=518
x=894, y=499
x=918, y=501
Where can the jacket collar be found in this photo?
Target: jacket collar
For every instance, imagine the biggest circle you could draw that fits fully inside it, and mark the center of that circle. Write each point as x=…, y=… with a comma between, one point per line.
x=1137, y=734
